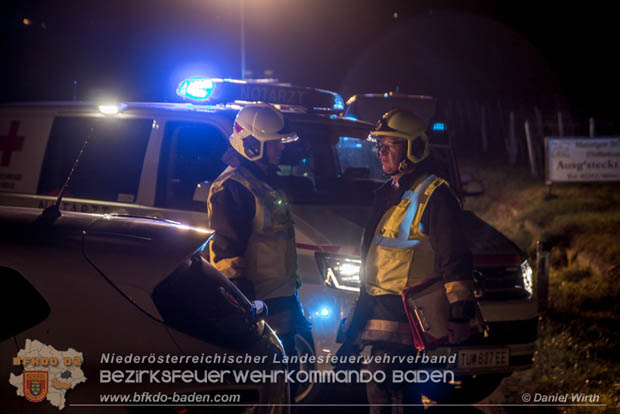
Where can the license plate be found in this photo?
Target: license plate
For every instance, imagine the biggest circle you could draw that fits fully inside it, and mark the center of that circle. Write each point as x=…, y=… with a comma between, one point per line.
x=483, y=358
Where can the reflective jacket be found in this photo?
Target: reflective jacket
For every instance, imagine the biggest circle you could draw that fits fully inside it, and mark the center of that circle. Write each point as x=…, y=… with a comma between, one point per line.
x=269, y=261
x=401, y=255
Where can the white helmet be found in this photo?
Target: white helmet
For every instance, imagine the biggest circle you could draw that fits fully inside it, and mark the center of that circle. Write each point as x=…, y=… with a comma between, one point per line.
x=256, y=124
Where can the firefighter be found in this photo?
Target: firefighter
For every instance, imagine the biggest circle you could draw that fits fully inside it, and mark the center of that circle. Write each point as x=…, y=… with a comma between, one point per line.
x=413, y=235
x=254, y=241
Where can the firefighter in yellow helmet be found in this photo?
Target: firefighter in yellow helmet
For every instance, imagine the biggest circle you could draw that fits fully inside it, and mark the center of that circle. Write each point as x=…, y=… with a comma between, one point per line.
x=254, y=241
x=414, y=235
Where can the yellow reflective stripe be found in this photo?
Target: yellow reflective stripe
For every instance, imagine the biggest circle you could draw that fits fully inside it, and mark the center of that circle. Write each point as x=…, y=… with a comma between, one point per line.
x=230, y=267
x=459, y=290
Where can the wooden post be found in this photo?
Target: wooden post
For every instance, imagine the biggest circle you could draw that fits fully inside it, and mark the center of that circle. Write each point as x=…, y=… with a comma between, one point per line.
x=502, y=128
x=530, y=150
x=542, y=272
x=483, y=130
x=512, y=140
x=560, y=125
x=591, y=127
x=540, y=130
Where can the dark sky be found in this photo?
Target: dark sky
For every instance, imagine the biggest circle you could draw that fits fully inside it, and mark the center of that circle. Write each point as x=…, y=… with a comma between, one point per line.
x=140, y=49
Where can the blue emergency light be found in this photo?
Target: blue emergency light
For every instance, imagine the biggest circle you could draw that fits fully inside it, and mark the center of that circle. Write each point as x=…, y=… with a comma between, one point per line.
x=228, y=91
x=196, y=88
x=438, y=126
x=323, y=313
x=338, y=103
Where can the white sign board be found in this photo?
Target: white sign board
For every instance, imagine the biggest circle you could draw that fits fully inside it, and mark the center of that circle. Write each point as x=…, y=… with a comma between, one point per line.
x=582, y=159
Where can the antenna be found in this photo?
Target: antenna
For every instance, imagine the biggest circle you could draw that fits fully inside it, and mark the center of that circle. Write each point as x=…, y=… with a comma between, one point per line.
x=53, y=211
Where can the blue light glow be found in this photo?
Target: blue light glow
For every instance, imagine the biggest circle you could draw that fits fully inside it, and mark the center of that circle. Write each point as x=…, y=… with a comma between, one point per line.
x=338, y=103
x=439, y=126
x=196, y=88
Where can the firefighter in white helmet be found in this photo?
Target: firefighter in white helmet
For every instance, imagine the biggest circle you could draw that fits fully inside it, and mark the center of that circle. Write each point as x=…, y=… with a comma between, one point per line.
x=254, y=241
x=414, y=235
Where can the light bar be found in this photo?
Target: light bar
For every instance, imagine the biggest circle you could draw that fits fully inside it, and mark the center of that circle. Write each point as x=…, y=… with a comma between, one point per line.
x=112, y=109
x=438, y=126
x=227, y=91
x=196, y=88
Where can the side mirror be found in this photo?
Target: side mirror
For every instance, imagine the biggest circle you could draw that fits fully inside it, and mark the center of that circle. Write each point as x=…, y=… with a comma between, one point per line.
x=471, y=186
x=201, y=192
x=259, y=310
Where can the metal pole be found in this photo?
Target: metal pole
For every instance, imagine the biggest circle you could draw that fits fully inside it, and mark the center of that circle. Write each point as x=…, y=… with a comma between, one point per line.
x=242, y=14
x=591, y=127
x=560, y=125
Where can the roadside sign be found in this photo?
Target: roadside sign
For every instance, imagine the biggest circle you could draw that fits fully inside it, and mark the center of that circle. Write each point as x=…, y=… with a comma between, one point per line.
x=581, y=159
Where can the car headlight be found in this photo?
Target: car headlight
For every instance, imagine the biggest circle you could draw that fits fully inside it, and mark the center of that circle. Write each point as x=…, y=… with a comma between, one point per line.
x=526, y=272
x=340, y=272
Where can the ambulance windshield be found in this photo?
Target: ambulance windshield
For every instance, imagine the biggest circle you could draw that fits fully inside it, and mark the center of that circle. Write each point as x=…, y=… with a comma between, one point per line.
x=329, y=166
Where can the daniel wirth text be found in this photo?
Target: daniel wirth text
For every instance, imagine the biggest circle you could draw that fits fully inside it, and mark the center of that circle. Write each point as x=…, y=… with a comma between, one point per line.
x=574, y=398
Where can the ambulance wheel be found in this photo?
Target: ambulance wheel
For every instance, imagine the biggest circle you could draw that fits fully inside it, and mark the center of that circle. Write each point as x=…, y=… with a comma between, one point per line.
x=471, y=389
x=306, y=392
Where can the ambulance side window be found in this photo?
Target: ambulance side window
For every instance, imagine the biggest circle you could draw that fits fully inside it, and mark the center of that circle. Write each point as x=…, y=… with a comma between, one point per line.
x=110, y=166
x=191, y=154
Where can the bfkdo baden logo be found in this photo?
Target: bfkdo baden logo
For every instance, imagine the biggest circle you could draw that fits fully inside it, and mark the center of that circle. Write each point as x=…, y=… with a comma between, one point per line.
x=35, y=385
x=48, y=373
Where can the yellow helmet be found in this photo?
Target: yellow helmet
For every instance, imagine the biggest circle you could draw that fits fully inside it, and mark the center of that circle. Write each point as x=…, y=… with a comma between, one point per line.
x=256, y=124
x=399, y=123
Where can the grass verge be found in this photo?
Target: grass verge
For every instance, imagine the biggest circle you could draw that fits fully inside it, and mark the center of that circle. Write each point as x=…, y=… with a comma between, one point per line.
x=578, y=341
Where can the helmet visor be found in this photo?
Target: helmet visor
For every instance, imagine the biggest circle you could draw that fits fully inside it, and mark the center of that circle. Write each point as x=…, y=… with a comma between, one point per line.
x=375, y=136
x=287, y=134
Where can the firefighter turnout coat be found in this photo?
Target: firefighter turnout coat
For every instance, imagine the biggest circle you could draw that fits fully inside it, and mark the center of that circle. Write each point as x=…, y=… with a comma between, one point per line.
x=414, y=236
x=261, y=250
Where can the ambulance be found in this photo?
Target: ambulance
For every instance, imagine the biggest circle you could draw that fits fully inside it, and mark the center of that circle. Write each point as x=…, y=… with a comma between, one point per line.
x=158, y=160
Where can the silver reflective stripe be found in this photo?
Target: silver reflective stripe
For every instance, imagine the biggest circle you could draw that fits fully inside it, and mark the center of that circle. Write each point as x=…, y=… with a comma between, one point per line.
x=414, y=197
x=403, y=242
x=254, y=182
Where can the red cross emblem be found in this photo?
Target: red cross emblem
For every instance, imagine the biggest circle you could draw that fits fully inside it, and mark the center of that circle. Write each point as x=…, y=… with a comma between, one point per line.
x=10, y=143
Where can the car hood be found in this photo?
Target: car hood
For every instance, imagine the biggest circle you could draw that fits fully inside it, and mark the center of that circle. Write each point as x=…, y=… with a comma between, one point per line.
x=485, y=240
x=140, y=251
x=128, y=250
x=338, y=229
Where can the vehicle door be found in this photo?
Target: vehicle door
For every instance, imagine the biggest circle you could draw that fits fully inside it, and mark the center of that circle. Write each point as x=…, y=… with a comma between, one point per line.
x=190, y=159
